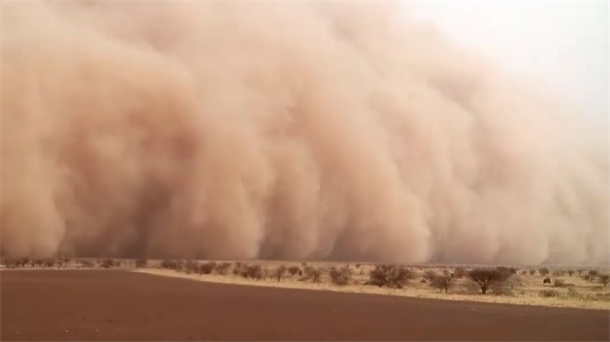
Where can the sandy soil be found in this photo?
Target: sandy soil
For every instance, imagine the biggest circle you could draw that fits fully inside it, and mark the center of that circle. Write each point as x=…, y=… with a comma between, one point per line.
x=127, y=306
x=526, y=293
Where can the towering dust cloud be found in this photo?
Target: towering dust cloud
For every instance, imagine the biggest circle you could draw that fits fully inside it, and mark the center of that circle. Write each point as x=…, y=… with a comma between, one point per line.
x=282, y=130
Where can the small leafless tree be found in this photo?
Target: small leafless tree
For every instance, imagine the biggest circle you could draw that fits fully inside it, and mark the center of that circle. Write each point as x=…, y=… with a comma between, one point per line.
x=543, y=271
x=485, y=277
x=141, y=263
x=570, y=272
x=441, y=281
x=593, y=273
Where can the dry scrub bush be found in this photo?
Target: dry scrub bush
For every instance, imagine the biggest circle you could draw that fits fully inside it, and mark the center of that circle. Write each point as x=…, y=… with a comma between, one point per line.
x=459, y=272
x=36, y=262
x=593, y=273
x=389, y=276
x=141, y=263
x=561, y=283
x=509, y=270
x=485, y=277
x=223, y=268
x=16, y=263
x=86, y=263
x=506, y=288
x=441, y=282
x=294, y=270
x=171, y=264
x=573, y=293
x=49, y=263
x=340, y=276
x=548, y=293
x=570, y=272
x=109, y=263
x=532, y=272
x=559, y=273
x=429, y=275
x=190, y=266
x=604, y=279
x=279, y=272
x=587, y=277
x=207, y=268
x=251, y=271
x=543, y=271
x=311, y=273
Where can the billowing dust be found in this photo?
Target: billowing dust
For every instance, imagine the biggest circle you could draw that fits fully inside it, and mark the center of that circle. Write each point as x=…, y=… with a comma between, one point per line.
x=287, y=130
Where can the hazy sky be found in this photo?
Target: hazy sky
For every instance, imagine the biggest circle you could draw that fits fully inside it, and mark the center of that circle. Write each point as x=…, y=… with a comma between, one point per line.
x=565, y=43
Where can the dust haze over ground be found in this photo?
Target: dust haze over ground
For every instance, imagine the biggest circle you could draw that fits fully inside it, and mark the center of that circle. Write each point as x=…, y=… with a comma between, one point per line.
x=285, y=131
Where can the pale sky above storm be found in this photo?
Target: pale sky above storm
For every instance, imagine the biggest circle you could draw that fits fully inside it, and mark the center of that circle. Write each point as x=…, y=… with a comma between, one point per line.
x=563, y=43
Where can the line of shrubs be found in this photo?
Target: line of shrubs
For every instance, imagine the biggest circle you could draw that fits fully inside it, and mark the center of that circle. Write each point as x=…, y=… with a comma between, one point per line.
x=499, y=280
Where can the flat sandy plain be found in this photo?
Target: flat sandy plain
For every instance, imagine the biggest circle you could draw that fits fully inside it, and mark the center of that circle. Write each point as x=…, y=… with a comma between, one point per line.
x=119, y=305
x=586, y=294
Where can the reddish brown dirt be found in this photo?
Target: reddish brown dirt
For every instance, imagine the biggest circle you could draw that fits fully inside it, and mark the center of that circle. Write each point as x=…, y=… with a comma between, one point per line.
x=125, y=306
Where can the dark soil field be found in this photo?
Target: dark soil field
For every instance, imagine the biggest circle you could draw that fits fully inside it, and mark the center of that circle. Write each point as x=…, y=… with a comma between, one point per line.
x=121, y=305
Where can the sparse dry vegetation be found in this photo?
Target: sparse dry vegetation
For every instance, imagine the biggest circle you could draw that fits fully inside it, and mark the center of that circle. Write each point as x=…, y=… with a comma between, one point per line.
x=486, y=277
x=389, y=276
x=591, y=288
x=191, y=267
x=279, y=272
x=312, y=274
x=543, y=271
x=548, y=293
x=294, y=270
x=208, y=267
x=251, y=271
x=223, y=268
x=604, y=279
x=340, y=276
x=109, y=263
x=441, y=281
x=85, y=263
x=171, y=264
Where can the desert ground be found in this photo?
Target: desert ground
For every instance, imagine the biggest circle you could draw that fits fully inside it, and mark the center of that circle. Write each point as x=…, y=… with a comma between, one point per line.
x=118, y=305
x=554, y=286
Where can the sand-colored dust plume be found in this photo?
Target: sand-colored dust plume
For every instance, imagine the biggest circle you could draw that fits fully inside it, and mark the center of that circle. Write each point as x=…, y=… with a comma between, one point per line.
x=282, y=130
